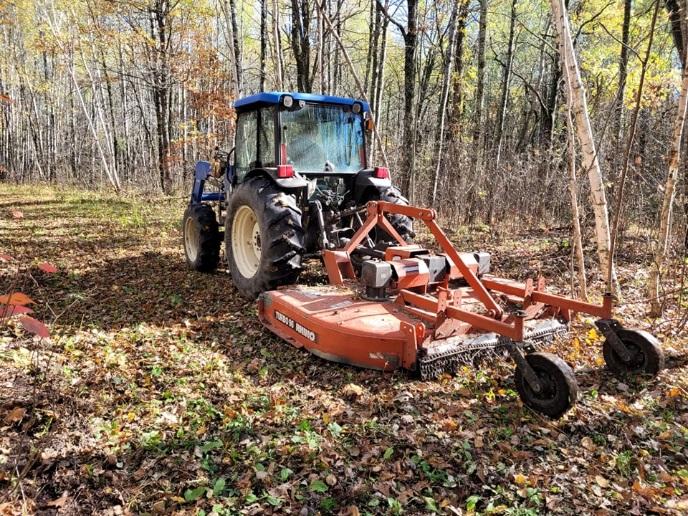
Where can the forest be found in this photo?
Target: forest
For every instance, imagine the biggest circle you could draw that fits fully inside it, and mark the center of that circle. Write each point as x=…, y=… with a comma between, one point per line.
x=550, y=134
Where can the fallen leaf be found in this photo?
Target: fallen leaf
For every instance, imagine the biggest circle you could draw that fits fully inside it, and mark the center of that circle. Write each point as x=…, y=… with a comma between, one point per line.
x=331, y=480
x=587, y=443
x=352, y=391
x=674, y=392
x=16, y=214
x=33, y=326
x=47, y=267
x=601, y=481
x=5, y=257
x=16, y=298
x=520, y=479
x=10, y=310
x=647, y=492
x=59, y=502
x=15, y=415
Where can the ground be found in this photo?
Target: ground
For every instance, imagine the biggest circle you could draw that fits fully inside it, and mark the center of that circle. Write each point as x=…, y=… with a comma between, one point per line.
x=160, y=392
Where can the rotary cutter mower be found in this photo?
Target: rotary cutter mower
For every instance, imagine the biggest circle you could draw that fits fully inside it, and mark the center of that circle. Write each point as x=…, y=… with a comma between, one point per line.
x=404, y=306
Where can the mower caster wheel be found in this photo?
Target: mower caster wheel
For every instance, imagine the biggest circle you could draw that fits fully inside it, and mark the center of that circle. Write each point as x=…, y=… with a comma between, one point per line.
x=647, y=356
x=559, y=388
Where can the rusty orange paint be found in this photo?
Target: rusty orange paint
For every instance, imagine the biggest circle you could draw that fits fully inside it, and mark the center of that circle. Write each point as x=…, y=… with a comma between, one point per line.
x=336, y=323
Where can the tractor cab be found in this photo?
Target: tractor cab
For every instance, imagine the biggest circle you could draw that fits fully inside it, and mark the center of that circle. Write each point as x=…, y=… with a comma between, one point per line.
x=298, y=134
x=298, y=184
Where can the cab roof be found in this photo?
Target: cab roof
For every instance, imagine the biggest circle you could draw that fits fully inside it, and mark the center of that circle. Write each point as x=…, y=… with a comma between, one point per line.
x=273, y=97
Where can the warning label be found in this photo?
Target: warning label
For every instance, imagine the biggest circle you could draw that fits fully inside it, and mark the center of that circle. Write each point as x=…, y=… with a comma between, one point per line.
x=298, y=328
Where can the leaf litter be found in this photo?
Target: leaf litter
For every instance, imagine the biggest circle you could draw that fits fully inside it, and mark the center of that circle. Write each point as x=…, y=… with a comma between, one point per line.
x=160, y=392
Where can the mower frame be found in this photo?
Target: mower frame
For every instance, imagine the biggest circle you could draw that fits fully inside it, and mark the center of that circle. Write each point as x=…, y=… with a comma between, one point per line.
x=446, y=304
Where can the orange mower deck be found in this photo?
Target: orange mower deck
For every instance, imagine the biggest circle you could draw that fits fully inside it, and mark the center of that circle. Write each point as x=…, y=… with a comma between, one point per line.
x=430, y=311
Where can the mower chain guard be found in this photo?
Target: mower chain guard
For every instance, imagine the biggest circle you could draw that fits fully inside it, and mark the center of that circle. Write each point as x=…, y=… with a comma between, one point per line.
x=447, y=356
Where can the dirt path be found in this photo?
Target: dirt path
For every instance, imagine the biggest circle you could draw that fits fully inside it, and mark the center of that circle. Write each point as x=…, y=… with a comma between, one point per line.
x=160, y=392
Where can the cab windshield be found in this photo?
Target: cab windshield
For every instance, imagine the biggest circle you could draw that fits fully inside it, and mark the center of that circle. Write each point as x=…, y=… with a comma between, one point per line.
x=321, y=137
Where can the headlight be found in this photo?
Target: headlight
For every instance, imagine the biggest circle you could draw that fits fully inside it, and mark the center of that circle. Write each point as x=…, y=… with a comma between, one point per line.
x=287, y=101
x=357, y=107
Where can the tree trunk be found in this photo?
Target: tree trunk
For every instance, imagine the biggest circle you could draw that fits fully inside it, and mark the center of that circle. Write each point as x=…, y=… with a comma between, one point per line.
x=479, y=90
x=623, y=74
x=279, y=63
x=506, y=79
x=575, y=215
x=457, y=77
x=263, y=43
x=576, y=96
x=442, y=110
x=661, y=248
x=410, y=43
x=236, y=45
x=678, y=30
x=301, y=45
x=477, y=148
x=161, y=90
x=629, y=147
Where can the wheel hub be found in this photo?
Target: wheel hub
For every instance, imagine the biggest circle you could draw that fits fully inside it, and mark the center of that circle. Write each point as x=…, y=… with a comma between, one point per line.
x=191, y=237
x=246, y=242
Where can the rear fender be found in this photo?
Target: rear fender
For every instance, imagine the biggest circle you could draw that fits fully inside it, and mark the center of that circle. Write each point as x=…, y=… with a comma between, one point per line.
x=295, y=182
x=366, y=180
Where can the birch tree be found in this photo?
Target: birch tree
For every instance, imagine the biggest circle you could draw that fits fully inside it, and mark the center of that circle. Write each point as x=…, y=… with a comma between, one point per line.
x=662, y=241
x=590, y=162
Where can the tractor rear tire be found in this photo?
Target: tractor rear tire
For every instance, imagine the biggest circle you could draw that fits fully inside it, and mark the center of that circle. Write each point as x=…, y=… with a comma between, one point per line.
x=402, y=223
x=264, y=237
x=201, y=238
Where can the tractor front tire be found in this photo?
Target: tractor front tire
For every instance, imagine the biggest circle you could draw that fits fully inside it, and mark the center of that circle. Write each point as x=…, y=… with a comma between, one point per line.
x=264, y=237
x=201, y=238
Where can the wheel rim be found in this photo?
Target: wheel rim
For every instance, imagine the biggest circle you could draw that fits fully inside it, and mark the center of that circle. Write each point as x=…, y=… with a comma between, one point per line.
x=549, y=387
x=637, y=361
x=191, y=237
x=246, y=241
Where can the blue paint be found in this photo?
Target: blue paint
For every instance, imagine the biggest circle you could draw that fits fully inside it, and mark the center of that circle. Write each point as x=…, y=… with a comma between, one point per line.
x=274, y=97
x=200, y=175
x=213, y=196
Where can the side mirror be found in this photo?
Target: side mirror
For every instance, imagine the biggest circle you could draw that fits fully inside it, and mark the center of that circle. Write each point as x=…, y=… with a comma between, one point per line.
x=369, y=125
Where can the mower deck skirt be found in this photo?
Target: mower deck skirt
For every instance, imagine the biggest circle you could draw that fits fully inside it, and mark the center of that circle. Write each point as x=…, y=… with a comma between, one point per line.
x=336, y=324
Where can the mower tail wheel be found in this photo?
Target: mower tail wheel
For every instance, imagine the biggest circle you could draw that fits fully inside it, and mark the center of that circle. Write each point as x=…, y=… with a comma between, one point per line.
x=201, y=238
x=559, y=389
x=647, y=356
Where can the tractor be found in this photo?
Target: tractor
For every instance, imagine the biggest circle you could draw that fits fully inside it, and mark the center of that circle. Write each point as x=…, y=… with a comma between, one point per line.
x=299, y=174
x=298, y=185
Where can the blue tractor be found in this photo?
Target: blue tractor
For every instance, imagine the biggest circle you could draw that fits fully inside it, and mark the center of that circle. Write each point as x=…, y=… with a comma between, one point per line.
x=295, y=184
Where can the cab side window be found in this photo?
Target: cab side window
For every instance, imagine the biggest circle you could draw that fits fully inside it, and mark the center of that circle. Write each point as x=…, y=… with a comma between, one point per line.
x=246, y=143
x=266, y=137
